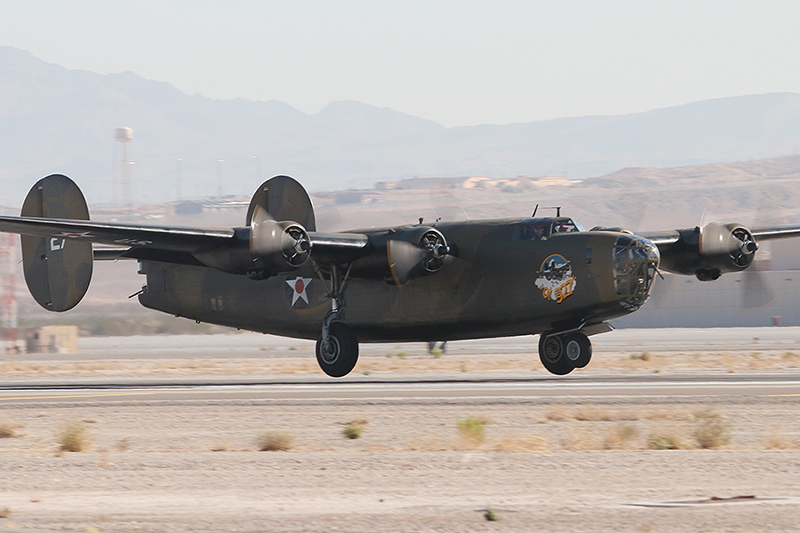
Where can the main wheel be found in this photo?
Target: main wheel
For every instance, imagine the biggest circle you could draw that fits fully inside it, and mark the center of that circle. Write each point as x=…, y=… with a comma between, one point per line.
x=337, y=355
x=553, y=354
x=578, y=348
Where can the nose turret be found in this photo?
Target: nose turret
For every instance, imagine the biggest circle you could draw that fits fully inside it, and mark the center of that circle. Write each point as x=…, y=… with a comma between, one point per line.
x=635, y=266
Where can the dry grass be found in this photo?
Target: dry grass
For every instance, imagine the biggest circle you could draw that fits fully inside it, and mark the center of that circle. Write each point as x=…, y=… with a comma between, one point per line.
x=9, y=429
x=665, y=440
x=275, y=440
x=5, y=512
x=73, y=436
x=711, y=429
x=623, y=436
x=513, y=443
x=780, y=441
x=354, y=428
x=353, y=431
x=472, y=429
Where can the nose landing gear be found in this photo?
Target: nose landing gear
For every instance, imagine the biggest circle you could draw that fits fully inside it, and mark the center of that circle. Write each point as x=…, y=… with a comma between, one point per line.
x=562, y=353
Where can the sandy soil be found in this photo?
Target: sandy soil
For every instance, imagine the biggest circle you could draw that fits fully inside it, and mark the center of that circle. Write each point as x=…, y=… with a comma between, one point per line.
x=564, y=465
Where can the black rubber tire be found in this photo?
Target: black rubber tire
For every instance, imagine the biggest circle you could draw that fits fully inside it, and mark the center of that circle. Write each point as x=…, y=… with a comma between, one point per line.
x=552, y=354
x=578, y=343
x=344, y=351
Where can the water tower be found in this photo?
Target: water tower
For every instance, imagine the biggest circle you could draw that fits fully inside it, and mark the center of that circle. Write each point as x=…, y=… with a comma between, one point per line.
x=124, y=137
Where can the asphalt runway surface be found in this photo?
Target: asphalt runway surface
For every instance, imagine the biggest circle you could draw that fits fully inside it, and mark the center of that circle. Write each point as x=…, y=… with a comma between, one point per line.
x=254, y=345
x=771, y=386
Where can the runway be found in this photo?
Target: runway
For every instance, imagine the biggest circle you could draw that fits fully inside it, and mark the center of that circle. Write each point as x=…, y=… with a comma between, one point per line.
x=255, y=345
x=686, y=388
x=438, y=383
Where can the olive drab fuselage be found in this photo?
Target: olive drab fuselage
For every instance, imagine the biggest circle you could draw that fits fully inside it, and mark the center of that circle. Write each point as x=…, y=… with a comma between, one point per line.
x=503, y=278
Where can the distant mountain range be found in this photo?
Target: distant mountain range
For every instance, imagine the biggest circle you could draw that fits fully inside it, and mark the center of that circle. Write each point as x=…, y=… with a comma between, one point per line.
x=57, y=120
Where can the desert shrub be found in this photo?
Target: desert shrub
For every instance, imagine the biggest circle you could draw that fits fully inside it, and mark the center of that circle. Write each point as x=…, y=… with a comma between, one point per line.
x=620, y=437
x=275, y=440
x=711, y=430
x=353, y=431
x=471, y=428
x=73, y=436
x=780, y=441
x=664, y=441
x=8, y=429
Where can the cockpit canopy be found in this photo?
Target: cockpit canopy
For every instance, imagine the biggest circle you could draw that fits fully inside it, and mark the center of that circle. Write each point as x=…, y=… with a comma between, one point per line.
x=534, y=229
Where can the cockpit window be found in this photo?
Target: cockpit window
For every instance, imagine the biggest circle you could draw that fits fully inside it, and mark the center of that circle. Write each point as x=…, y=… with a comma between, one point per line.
x=564, y=226
x=532, y=231
x=540, y=228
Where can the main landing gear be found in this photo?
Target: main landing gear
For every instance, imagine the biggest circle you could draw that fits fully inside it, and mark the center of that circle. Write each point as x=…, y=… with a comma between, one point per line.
x=337, y=346
x=564, y=352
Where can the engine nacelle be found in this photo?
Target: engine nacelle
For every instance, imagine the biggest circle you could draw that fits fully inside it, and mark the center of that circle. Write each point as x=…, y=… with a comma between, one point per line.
x=277, y=244
x=415, y=252
x=271, y=239
x=712, y=250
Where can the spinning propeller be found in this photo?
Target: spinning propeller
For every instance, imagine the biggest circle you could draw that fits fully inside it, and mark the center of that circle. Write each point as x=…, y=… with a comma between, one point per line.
x=410, y=259
x=269, y=237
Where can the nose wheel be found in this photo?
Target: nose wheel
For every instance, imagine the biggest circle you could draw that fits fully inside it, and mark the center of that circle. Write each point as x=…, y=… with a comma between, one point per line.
x=562, y=353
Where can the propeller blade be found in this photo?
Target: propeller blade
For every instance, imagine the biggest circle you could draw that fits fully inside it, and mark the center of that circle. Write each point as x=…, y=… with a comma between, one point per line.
x=755, y=291
x=404, y=258
x=266, y=235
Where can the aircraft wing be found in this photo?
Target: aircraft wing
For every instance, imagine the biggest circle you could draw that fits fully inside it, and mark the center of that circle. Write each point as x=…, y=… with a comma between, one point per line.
x=776, y=232
x=715, y=248
x=170, y=243
x=665, y=239
x=175, y=239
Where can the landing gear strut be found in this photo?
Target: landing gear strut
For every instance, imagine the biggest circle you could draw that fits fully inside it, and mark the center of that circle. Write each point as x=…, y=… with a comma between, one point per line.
x=562, y=353
x=337, y=346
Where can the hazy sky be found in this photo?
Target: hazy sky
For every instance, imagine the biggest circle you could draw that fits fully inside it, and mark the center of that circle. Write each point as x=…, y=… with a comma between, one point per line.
x=456, y=62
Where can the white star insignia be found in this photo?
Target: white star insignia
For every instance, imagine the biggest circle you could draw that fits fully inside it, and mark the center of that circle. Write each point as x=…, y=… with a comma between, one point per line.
x=299, y=286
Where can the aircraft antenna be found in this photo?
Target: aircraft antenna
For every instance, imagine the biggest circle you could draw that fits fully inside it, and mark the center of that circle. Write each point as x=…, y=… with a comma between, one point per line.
x=534, y=211
x=557, y=208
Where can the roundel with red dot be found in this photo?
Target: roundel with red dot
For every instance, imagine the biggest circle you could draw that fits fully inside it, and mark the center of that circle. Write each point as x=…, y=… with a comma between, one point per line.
x=299, y=292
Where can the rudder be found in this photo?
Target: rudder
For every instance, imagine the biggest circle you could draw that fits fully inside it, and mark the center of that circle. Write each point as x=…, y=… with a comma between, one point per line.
x=57, y=269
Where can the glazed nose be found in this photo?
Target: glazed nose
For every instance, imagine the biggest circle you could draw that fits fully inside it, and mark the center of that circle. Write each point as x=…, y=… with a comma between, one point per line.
x=635, y=266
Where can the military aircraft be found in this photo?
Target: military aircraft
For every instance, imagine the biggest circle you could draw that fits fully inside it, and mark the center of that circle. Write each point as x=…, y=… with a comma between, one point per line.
x=431, y=283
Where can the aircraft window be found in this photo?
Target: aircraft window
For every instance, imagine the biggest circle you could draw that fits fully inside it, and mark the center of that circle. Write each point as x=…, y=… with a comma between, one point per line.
x=564, y=226
x=531, y=232
x=622, y=286
x=588, y=256
x=620, y=269
x=624, y=240
x=620, y=253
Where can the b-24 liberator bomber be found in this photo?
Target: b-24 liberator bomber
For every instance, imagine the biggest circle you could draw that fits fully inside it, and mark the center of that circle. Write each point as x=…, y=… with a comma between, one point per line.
x=431, y=283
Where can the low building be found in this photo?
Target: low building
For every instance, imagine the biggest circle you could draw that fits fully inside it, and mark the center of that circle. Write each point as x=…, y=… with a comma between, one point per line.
x=52, y=339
